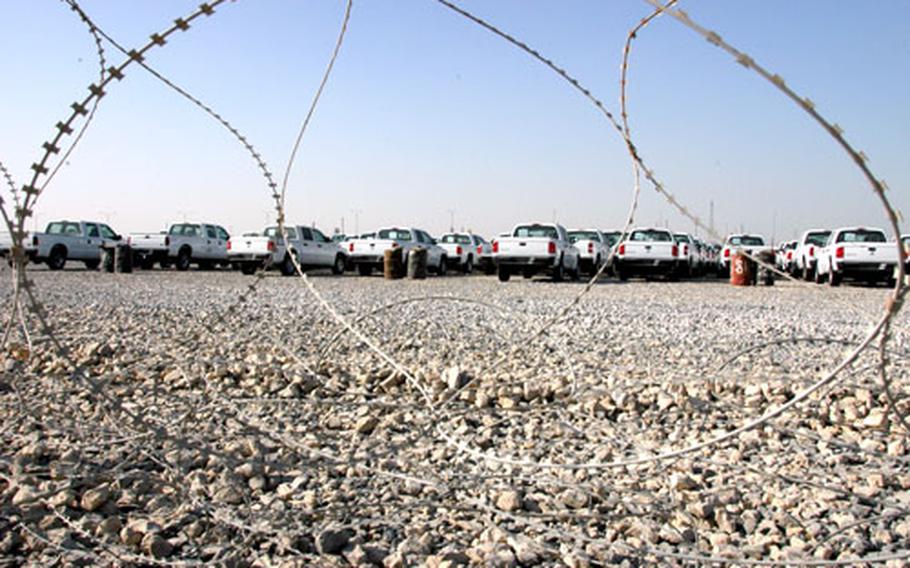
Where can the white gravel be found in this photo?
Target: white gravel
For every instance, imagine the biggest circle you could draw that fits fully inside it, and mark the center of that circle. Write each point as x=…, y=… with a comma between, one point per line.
x=262, y=433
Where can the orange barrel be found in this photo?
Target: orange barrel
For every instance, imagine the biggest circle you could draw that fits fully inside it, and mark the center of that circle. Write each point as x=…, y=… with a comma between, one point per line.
x=393, y=264
x=740, y=270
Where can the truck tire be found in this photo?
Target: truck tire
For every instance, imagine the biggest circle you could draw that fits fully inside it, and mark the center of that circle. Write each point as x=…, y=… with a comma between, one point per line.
x=248, y=268
x=287, y=266
x=364, y=269
x=57, y=259
x=621, y=274
x=834, y=279
x=559, y=273
x=808, y=275
x=469, y=265
x=504, y=274
x=92, y=264
x=339, y=265
x=443, y=267
x=183, y=259
x=816, y=276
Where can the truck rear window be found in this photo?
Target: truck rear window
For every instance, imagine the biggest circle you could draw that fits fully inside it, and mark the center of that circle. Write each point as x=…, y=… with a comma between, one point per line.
x=611, y=238
x=63, y=228
x=531, y=231
x=682, y=238
x=274, y=232
x=819, y=239
x=186, y=230
x=651, y=236
x=746, y=241
x=456, y=239
x=861, y=236
x=575, y=236
x=395, y=235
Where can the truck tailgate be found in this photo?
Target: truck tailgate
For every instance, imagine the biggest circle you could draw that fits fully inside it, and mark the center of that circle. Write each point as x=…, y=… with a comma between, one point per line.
x=655, y=250
x=867, y=252
x=149, y=241
x=250, y=245
x=525, y=246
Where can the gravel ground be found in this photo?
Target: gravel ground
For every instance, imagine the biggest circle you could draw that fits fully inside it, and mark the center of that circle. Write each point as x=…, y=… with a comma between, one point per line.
x=204, y=427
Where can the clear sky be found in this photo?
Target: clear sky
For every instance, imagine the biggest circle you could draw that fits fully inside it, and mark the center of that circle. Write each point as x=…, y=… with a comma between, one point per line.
x=426, y=113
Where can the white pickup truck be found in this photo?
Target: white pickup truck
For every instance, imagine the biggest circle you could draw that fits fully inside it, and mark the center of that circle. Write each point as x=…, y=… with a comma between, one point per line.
x=149, y=248
x=6, y=244
x=484, y=252
x=461, y=252
x=688, y=254
x=646, y=252
x=369, y=254
x=592, y=249
x=751, y=244
x=532, y=248
x=202, y=243
x=857, y=253
x=309, y=245
x=806, y=253
x=72, y=240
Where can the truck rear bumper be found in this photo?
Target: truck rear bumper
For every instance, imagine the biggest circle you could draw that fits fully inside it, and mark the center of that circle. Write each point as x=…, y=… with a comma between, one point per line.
x=250, y=257
x=867, y=270
x=520, y=262
x=646, y=265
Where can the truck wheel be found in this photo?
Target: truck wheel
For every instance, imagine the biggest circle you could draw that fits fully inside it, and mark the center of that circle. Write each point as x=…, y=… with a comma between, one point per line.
x=621, y=274
x=183, y=260
x=834, y=278
x=338, y=267
x=559, y=273
x=816, y=276
x=504, y=274
x=92, y=264
x=364, y=269
x=443, y=268
x=287, y=266
x=248, y=268
x=57, y=258
x=469, y=265
x=808, y=276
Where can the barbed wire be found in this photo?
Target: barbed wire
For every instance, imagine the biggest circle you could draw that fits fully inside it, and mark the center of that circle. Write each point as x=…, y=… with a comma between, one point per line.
x=438, y=415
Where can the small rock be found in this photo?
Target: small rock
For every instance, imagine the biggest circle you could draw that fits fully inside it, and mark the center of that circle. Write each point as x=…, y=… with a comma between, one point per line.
x=366, y=424
x=333, y=541
x=454, y=378
x=93, y=499
x=508, y=501
x=155, y=546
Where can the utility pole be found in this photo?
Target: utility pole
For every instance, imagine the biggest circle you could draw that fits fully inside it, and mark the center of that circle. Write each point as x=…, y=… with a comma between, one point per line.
x=356, y=213
x=711, y=218
x=342, y=224
x=451, y=220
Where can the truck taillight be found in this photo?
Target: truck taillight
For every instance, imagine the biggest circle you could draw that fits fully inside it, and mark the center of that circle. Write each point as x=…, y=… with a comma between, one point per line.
x=674, y=251
x=790, y=255
x=839, y=252
x=351, y=247
x=811, y=251
x=459, y=250
x=726, y=253
x=479, y=249
x=229, y=244
x=685, y=250
x=495, y=246
x=271, y=246
x=621, y=250
x=590, y=248
x=551, y=248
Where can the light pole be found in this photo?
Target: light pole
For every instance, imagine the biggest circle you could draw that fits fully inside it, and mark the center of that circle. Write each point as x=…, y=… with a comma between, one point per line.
x=356, y=213
x=451, y=220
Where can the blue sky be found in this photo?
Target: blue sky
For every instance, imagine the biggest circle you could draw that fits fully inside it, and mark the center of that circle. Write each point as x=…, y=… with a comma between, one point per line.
x=427, y=113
